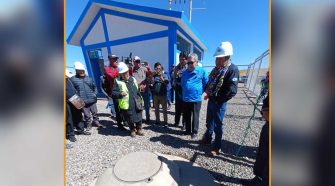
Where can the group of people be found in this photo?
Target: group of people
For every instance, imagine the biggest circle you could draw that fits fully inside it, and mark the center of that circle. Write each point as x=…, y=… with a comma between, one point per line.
x=130, y=89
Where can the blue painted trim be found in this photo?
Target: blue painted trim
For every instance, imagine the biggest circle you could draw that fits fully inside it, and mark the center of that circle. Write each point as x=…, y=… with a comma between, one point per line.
x=90, y=27
x=172, y=45
x=187, y=36
x=133, y=39
x=151, y=10
x=79, y=21
x=87, y=61
x=103, y=18
x=137, y=17
x=195, y=32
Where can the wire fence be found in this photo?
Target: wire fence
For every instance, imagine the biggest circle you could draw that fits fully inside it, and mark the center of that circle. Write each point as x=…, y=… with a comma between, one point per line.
x=252, y=74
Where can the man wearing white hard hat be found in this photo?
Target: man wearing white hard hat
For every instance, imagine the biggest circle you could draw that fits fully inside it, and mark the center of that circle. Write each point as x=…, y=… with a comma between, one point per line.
x=221, y=87
x=140, y=73
x=130, y=102
x=87, y=90
x=73, y=115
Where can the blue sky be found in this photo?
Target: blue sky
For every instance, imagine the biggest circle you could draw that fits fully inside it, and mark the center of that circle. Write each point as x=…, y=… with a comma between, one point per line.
x=245, y=23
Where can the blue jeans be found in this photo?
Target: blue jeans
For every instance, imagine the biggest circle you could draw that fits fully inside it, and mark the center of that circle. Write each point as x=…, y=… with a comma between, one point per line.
x=110, y=105
x=146, y=99
x=214, y=122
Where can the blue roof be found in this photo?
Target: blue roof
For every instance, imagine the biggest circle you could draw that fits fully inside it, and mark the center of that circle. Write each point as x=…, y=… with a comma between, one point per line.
x=162, y=12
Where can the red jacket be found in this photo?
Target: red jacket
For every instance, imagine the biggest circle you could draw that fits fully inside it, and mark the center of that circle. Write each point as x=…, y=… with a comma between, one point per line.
x=111, y=73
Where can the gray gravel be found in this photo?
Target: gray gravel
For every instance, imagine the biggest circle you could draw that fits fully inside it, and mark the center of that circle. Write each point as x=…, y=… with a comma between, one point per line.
x=91, y=155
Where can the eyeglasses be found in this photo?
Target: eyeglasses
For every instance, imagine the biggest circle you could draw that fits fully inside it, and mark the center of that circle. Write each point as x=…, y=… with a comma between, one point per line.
x=190, y=63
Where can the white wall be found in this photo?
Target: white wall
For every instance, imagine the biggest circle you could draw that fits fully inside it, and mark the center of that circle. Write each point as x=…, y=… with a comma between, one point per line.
x=119, y=27
x=152, y=51
x=96, y=35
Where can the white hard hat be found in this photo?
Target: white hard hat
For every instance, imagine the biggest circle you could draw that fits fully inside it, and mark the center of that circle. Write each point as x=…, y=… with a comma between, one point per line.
x=122, y=67
x=68, y=73
x=78, y=65
x=137, y=58
x=225, y=49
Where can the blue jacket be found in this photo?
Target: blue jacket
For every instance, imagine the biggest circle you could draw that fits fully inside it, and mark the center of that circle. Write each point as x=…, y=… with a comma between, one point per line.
x=193, y=84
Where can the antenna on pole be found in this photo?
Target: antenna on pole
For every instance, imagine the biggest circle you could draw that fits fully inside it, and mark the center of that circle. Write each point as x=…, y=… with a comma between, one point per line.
x=190, y=9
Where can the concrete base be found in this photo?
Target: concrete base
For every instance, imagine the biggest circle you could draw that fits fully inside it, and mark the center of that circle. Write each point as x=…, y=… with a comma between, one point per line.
x=170, y=171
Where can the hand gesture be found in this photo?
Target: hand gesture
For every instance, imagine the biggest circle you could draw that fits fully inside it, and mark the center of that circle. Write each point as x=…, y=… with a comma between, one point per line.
x=123, y=94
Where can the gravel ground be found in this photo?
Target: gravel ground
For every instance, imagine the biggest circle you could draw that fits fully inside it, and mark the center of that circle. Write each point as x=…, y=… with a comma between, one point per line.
x=91, y=155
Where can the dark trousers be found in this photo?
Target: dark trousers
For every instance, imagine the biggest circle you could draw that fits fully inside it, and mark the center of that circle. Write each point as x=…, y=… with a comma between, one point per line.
x=69, y=122
x=261, y=167
x=74, y=119
x=118, y=114
x=179, y=108
x=191, y=114
x=137, y=124
x=91, y=114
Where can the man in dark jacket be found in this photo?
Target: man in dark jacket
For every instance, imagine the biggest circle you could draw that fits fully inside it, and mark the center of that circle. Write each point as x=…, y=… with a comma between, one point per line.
x=73, y=115
x=87, y=91
x=221, y=87
x=179, y=69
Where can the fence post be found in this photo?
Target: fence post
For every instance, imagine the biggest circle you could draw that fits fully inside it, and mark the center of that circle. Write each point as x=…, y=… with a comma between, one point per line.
x=252, y=73
x=259, y=67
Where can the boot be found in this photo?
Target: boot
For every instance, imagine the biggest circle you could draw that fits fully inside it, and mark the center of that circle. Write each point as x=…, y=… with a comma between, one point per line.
x=133, y=133
x=139, y=131
x=214, y=152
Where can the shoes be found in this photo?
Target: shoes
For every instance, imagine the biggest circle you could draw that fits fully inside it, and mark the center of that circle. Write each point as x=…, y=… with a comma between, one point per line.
x=84, y=133
x=157, y=123
x=205, y=141
x=120, y=127
x=72, y=139
x=256, y=181
x=133, y=133
x=89, y=127
x=186, y=133
x=100, y=125
x=139, y=132
x=214, y=152
x=194, y=136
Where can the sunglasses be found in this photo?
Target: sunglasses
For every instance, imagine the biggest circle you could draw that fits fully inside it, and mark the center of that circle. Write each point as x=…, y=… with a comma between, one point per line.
x=190, y=62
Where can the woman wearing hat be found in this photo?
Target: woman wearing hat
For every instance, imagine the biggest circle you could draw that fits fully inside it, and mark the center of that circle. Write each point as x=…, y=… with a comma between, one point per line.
x=130, y=102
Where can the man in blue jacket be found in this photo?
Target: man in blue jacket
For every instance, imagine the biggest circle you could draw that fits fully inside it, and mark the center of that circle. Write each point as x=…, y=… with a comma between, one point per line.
x=221, y=87
x=193, y=82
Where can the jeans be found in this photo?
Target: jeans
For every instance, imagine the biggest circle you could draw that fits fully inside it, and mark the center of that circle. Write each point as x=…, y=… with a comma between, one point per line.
x=214, y=122
x=191, y=114
x=157, y=101
x=111, y=106
x=146, y=99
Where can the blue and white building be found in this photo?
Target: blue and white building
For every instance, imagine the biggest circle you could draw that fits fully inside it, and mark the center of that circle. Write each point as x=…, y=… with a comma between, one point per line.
x=153, y=34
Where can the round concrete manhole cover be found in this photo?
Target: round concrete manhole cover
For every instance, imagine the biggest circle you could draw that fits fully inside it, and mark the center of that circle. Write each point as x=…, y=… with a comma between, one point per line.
x=137, y=166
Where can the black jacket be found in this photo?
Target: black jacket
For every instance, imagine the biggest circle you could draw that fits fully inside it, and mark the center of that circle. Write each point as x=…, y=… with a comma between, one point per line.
x=85, y=89
x=229, y=87
x=70, y=90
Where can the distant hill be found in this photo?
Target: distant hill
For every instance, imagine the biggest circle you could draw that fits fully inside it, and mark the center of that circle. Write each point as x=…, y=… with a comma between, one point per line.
x=262, y=72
